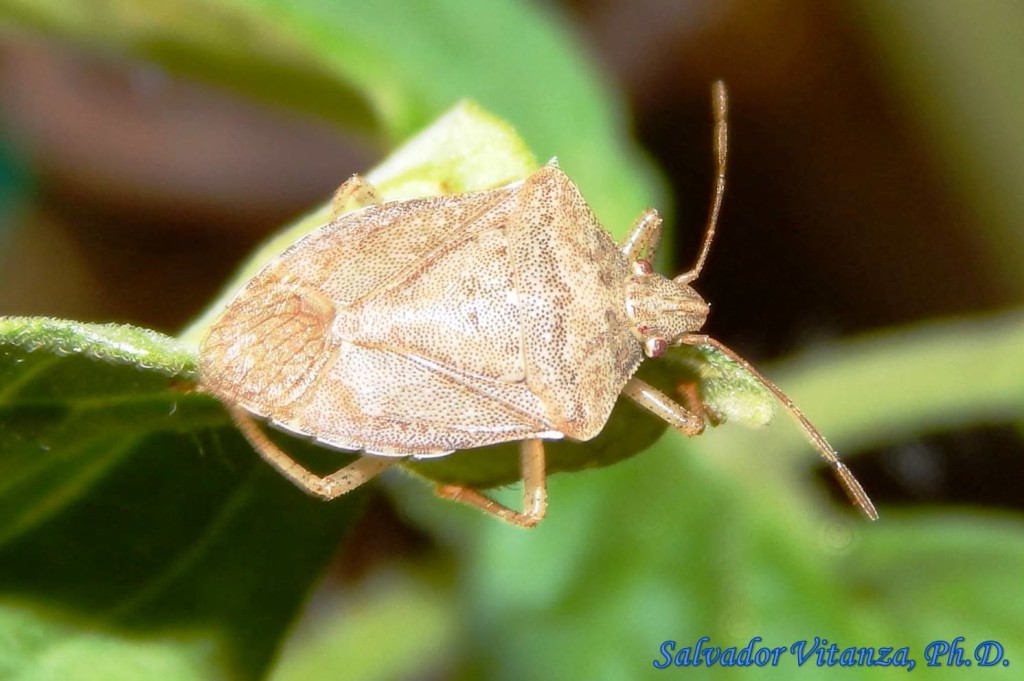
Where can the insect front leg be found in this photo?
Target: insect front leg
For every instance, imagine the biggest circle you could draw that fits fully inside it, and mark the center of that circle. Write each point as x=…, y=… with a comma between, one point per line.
x=327, y=487
x=644, y=237
x=535, y=491
x=354, y=193
x=690, y=421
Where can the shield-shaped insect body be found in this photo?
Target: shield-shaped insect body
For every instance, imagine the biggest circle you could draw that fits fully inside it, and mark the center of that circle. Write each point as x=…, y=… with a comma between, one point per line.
x=417, y=328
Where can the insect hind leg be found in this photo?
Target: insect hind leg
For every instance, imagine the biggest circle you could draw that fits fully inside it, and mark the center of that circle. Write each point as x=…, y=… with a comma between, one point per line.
x=535, y=495
x=326, y=487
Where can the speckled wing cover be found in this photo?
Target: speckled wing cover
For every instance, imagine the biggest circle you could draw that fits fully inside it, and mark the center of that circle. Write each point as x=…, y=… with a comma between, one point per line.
x=425, y=326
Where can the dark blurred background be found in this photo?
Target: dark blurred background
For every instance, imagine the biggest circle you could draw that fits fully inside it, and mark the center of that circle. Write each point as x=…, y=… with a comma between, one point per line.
x=132, y=193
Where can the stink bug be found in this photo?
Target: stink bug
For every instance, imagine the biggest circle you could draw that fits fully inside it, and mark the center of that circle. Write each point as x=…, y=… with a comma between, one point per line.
x=417, y=328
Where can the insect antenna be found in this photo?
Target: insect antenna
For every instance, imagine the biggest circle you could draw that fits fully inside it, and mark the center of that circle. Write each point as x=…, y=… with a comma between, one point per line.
x=719, y=110
x=850, y=484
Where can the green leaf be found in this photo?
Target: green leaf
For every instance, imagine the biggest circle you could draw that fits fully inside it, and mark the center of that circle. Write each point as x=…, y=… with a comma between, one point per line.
x=120, y=506
x=112, y=343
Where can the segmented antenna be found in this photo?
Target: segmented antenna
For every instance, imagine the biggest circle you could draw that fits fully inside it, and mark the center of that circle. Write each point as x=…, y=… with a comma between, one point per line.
x=846, y=478
x=720, y=111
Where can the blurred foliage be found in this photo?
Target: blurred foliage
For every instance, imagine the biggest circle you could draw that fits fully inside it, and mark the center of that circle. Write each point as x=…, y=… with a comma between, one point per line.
x=935, y=52
x=382, y=68
x=141, y=538
x=14, y=186
x=123, y=512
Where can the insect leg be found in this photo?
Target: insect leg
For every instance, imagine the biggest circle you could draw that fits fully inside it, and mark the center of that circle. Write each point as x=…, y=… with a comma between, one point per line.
x=327, y=487
x=355, y=193
x=691, y=423
x=643, y=238
x=535, y=493
x=694, y=403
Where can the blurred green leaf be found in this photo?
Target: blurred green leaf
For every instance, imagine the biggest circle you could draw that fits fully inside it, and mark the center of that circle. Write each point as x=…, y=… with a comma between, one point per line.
x=39, y=646
x=15, y=186
x=356, y=638
x=667, y=547
x=120, y=507
x=727, y=535
x=933, y=53
x=382, y=67
x=900, y=383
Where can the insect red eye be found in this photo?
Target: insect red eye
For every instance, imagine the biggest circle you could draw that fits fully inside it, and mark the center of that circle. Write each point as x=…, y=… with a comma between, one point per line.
x=642, y=267
x=643, y=330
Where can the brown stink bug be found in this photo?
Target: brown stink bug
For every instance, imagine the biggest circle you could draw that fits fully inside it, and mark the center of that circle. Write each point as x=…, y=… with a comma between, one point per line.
x=417, y=328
